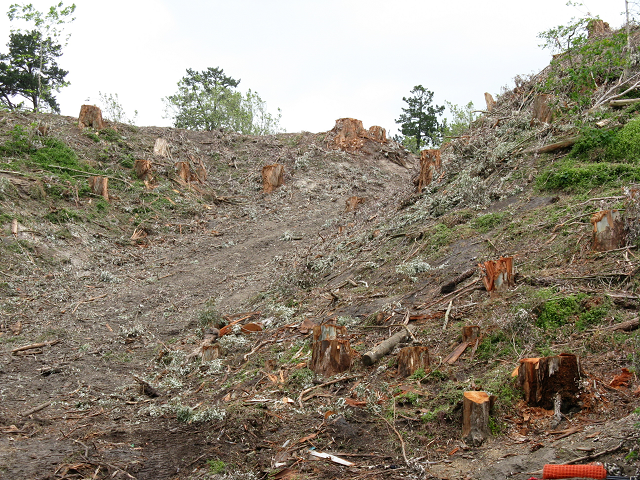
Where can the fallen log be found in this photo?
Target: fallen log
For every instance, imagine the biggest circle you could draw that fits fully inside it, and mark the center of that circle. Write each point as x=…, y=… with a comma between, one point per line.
x=36, y=409
x=451, y=285
x=383, y=348
x=625, y=326
x=569, y=142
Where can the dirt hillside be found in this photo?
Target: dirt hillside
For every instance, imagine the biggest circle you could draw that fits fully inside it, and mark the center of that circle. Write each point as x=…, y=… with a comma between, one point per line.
x=165, y=332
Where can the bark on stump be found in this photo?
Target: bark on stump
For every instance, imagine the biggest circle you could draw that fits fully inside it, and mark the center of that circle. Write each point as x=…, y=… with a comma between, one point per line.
x=608, y=230
x=331, y=351
x=632, y=216
x=350, y=134
x=475, y=417
x=541, y=109
x=430, y=164
x=90, y=116
x=99, y=186
x=411, y=359
x=143, y=169
x=377, y=134
x=498, y=274
x=541, y=379
x=272, y=177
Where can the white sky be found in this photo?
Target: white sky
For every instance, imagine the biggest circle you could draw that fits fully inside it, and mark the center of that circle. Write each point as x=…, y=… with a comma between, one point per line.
x=316, y=60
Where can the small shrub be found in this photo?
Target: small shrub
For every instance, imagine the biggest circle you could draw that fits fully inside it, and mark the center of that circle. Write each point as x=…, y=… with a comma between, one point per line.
x=216, y=466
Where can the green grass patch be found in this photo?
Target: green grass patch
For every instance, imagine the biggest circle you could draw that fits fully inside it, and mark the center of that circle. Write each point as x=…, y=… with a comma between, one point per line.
x=485, y=223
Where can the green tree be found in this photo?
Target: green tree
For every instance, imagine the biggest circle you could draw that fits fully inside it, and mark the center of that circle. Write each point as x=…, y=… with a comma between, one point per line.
x=208, y=100
x=462, y=118
x=30, y=71
x=420, y=118
x=48, y=33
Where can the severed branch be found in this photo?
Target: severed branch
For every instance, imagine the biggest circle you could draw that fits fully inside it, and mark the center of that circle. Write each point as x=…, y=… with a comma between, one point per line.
x=300, y=397
x=34, y=345
x=36, y=409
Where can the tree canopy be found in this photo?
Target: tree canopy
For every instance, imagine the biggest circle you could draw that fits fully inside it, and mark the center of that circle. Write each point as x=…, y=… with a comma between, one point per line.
x=30, y=71
x=208, y=100
x=420, y=119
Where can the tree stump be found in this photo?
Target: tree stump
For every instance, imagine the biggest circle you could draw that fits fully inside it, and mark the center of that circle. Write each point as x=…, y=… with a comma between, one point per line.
x=430, y=164
x=411, y=359
x=90, y=116
x=490, y=101
x=331, y=350
x=632, y=215
x=183, y=171
x=272, y=177
x=475, y=417
x=470, y=333
x=99, y=186
x=498, y=274
x=541, y=379
x=541, y=109
x=352, y=203
x=377, y=134
x=161, y=148
x=144, y=170
x=608, y=230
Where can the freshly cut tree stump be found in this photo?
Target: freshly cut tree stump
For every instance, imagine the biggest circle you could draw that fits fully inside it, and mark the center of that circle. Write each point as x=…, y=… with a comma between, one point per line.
x=475, y=417
x=430, y=163
x=411, y=359
x=272, y=177
x=541, y=379
x=144, y=170
x=350, y=135
x=90, y=116
x=99, y=186
x=377, y=134
x=490, y=101
x=331, y=350
x=542, y=111
x=183, y=171
x=608, y=230
x=161, y=148
x=470, y=333
x=498, y=274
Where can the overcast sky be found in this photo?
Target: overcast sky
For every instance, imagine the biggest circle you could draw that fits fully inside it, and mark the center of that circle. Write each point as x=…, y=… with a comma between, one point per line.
x=317, y=60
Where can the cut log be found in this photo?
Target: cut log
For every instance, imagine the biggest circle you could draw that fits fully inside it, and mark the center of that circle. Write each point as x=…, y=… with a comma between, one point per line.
x=541, y=379
x=475, y=417
x=352, y=203
x=161, y=148
x=272, y=177
x=430, y=164
x=383, y=348
x=623, y=103
x=411, y=359
x=569, y=142
x=331, y=350
x=451, y=285
x=608, y=230
x=470, y=333
x=542, y=111
x=90, y=116
x=99, y=186
x=498, y=274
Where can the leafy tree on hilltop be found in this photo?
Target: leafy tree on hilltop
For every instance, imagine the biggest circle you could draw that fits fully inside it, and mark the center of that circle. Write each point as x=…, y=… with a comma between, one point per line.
x=30, y=70
x=420, y=119
x=208, y=100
